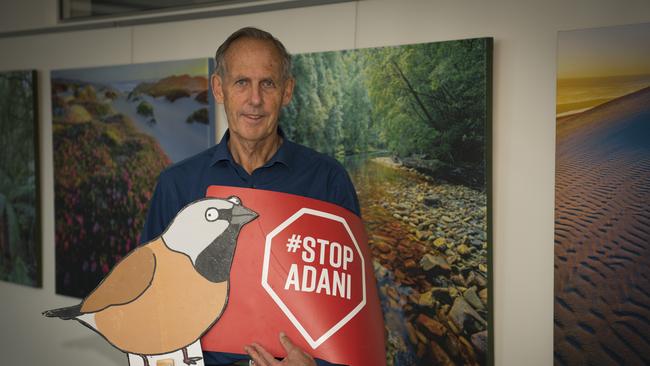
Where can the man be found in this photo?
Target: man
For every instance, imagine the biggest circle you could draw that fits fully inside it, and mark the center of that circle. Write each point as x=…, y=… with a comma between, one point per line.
x=253, y=81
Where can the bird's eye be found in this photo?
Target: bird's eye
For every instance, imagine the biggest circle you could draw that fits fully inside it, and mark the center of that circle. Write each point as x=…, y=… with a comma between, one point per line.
x=235, y=200
x=211, y=214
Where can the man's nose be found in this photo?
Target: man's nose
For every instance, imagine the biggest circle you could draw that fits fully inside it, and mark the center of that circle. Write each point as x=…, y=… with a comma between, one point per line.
x=256, y=95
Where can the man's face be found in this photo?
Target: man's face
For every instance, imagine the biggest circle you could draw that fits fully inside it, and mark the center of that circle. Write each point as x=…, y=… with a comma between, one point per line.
x=252, y=89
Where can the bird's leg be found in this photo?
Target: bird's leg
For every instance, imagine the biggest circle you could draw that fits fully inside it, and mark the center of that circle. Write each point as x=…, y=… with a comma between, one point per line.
x=145, y=360
x=187, y=359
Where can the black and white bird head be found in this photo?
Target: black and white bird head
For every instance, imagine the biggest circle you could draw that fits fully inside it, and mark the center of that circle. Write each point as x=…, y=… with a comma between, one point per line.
x=206, y=231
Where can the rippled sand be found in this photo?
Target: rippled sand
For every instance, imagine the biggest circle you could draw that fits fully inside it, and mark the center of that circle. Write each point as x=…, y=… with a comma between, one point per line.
x=602, y=235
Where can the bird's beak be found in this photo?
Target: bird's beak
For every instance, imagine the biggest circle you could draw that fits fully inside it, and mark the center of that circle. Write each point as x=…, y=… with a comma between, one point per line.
x=241, y=215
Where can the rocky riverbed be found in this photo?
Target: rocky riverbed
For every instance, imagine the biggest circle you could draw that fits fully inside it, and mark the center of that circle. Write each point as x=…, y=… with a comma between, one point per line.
x=429, y=243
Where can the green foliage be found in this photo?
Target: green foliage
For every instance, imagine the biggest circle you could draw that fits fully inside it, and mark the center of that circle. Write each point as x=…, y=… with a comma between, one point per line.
x=435, y=89
x=76, y=113
x=113, y=137
x=21, y=272
x=19, y=254
x=101, y=109
x=426, y=100
x=330, y=107
x=86, y=93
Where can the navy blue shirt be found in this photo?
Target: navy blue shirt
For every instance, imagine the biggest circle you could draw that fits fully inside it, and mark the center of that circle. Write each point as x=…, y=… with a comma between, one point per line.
x=293, y=169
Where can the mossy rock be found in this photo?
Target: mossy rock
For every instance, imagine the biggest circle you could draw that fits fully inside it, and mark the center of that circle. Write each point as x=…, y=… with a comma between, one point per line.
x=77, y=114
x=199, y=115
x=145, y=109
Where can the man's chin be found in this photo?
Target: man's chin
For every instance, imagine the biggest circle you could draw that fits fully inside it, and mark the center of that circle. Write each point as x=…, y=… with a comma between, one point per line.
x=254, y=134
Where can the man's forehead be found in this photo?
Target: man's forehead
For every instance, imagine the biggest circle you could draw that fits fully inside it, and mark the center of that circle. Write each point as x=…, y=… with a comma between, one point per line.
x=246, y=45
x=250, y=55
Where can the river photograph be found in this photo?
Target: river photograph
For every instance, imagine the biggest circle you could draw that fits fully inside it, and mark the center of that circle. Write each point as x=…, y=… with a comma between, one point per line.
x=411, y=125
x=114, y=130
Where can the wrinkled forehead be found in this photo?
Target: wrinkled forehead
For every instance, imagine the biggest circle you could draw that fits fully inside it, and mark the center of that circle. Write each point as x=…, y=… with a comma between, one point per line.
x=249, y=50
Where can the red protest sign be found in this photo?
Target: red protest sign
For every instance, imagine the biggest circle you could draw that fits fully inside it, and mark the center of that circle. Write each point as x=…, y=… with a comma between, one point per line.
x=325, y=266
x=302, y=267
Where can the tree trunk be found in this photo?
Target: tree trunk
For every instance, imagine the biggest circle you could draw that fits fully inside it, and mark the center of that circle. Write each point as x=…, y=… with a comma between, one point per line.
x=415, y=95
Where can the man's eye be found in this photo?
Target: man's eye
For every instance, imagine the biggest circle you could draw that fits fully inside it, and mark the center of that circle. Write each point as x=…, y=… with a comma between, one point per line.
x=268, y=84
x=240, y=82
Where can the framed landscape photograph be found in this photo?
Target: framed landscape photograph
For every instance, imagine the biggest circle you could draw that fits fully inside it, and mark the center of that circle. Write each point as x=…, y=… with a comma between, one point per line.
x=602, y=197
x=412, y=124
x=115, y=129
x=20, y=239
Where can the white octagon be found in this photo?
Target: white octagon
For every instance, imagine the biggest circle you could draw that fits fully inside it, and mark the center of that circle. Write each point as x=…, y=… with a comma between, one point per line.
x=314, y=343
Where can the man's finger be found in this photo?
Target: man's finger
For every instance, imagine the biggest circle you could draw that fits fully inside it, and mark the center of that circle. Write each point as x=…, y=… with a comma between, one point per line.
x=267, y=356
x=286, y=343
x=295, y=354
x=260, y=355
x=257, y=358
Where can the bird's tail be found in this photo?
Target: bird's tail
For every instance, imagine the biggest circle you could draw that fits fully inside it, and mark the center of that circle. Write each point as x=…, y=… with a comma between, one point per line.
x=67, y=313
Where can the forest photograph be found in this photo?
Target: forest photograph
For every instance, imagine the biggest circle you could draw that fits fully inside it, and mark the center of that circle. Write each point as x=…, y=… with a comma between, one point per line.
x=411, y=124
x=20, y=246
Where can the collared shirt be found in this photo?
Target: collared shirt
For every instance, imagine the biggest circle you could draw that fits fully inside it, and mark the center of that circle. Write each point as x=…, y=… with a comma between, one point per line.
x=293, y=169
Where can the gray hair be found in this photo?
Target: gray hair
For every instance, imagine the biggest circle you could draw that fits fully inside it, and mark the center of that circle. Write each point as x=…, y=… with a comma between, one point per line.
x=252, y=33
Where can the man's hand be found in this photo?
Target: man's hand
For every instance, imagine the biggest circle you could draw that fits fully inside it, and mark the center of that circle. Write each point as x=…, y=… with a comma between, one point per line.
x=295, y=355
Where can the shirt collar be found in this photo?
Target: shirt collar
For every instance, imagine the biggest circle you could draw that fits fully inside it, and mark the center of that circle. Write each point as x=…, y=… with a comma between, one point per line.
x=284, y=155
x=221, y=152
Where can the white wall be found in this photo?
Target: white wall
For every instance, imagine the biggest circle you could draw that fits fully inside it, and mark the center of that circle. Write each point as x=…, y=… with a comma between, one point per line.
x=27, y=14
x=525, y=34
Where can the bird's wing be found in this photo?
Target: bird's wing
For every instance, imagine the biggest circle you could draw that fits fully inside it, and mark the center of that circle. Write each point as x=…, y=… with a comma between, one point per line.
x=126, y=281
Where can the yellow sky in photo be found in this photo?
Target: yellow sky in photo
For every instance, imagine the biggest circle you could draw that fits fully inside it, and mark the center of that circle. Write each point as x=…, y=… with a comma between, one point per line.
x=603, y=52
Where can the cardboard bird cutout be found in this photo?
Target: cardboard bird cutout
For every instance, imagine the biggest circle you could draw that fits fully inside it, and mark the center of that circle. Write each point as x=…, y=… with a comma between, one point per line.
x=303, y=267
x=146, y=305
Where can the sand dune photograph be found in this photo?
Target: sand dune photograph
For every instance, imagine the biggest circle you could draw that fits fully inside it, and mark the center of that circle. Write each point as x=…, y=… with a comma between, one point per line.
x=602, y=197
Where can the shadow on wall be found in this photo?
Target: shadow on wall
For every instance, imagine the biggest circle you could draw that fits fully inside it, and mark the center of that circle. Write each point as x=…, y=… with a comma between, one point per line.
x=99, y=347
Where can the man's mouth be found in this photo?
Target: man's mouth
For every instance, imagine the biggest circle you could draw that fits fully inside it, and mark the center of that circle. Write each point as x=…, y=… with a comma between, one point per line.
x=254, y=117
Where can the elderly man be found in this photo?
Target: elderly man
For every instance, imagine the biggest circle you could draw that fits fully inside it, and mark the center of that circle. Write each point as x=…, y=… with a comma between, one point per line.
x=253, y=81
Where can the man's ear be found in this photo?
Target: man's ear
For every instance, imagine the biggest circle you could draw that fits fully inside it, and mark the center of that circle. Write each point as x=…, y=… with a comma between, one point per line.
x=288, y=91
x=217, y=88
